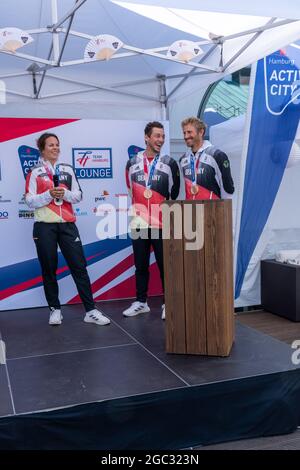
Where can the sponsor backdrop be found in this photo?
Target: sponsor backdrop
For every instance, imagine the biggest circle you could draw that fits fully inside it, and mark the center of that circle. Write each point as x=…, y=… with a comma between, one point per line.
x=98, y=150
x=274, y=123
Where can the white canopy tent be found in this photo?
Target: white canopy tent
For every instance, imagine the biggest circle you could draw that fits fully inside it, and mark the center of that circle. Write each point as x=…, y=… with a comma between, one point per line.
x=140, y=77
x=235, y=35
x=51, y=78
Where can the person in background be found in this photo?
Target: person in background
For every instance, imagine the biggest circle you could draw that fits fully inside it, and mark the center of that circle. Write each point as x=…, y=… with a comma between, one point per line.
x=151, y=179
x=51, y=189
x=205, y=169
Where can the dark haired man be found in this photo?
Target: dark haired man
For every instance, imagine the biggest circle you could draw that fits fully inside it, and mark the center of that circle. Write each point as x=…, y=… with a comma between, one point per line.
x=151, y=179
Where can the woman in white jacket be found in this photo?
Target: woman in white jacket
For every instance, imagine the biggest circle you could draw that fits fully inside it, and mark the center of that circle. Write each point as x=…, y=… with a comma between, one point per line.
x=51, y=188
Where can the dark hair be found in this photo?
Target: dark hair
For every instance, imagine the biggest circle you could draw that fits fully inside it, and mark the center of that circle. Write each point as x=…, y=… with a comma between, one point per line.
x=150, y=125
x=41, y=142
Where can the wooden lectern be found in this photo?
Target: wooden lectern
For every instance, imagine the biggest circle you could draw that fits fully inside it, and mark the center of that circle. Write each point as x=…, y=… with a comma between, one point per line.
x=198, y=277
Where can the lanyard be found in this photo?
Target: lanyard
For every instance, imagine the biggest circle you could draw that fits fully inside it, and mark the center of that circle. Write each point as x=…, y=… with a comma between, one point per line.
x=57, y=172
x=152, y=169
x=50, y=173
x=192, y=162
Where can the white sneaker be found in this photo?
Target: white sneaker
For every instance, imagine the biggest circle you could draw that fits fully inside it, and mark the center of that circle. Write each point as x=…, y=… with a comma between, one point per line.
x=163, y=312
x=136, y=308
x=55, y=317
x=96, y=316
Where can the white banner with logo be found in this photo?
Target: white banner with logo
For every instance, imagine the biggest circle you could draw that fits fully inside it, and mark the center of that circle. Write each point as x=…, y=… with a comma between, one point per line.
x=98, y=150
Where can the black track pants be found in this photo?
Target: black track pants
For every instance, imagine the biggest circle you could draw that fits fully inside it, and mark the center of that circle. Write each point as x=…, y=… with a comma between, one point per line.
x=141, y=250
x=47, y=238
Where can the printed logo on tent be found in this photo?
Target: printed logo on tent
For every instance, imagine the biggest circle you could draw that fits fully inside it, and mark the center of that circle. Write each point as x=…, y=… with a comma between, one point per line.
x=29, y=157
x=282, y=79
x=133, y=150
x=91, y=163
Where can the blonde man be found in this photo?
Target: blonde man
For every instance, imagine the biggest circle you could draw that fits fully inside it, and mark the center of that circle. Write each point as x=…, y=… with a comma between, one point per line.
x=205, y=169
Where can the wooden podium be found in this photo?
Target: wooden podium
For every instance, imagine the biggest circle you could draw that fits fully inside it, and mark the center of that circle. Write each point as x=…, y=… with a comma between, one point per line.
x=199, y=282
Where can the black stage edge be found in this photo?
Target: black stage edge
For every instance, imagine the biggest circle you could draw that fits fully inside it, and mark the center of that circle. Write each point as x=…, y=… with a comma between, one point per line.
x=80, y=386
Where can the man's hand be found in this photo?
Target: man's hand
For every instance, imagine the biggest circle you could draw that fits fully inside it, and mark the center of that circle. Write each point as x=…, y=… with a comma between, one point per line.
x=57, y=193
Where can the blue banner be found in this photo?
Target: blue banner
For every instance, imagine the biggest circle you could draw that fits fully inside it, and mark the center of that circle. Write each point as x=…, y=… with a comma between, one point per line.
x=274, y=122
x=133, y=150
x=29, y=157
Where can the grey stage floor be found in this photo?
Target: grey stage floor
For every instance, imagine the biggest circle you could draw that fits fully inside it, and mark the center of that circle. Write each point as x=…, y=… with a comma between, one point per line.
x=52, y=367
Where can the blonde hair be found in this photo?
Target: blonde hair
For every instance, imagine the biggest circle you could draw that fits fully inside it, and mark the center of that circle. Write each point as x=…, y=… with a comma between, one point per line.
x=197, y=123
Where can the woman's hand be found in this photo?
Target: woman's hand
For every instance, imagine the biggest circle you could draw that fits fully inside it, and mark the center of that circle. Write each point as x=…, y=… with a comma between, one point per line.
x=57, y=193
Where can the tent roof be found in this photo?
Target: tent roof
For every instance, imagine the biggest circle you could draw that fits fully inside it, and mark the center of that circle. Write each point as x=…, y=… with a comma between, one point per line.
x=278, y=8
x=135, y=68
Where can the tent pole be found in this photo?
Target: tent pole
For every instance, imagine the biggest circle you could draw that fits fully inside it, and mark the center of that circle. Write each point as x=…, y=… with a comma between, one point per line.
x=66, y=36
x=113, y=85
x=204, y=57
x=17, y=74
x=248, y=43
x=163, y=96
x=55, y=34
x=93, y=86
x=269, y=25
x=78, y=4
x=111, y=90
x=57, y=55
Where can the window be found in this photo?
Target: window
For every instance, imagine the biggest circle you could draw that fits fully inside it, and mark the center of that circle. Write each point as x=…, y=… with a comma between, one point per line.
x=225, y=99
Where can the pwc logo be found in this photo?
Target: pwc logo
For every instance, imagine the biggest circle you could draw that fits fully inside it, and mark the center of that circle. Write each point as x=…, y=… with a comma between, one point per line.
x=282, y=79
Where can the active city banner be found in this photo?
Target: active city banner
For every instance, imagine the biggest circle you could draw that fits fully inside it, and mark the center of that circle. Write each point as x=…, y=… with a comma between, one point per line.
x=273, y=134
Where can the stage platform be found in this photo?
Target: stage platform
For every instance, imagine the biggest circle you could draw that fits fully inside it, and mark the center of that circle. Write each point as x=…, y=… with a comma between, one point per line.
x=80, y=386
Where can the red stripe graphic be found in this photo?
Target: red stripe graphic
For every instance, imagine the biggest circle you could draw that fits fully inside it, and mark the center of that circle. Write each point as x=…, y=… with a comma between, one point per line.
x=108, y=277
x=126, y=289
x=33, y=282
x=12, y=128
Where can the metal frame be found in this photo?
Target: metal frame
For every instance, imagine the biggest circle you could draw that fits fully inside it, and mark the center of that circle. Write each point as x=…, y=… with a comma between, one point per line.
x=94, y=86
x=56, y=53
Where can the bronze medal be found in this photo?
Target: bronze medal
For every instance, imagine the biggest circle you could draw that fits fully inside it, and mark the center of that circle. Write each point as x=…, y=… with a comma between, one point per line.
x=147, y=193
x=194, y=189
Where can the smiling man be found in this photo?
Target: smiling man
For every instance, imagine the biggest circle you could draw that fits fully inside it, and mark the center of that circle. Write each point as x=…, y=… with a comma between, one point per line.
x=151, y=179
x=205, y=169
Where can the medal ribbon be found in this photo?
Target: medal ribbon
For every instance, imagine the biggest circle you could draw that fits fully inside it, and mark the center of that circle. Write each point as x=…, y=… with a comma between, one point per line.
x=152, y=169
x=193, y=172
x=57, y=172
x=50, y=173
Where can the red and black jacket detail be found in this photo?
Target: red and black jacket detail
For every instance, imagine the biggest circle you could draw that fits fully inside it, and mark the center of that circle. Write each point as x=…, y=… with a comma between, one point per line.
x=38, y=183
x=213, y=177
x=165, y=185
